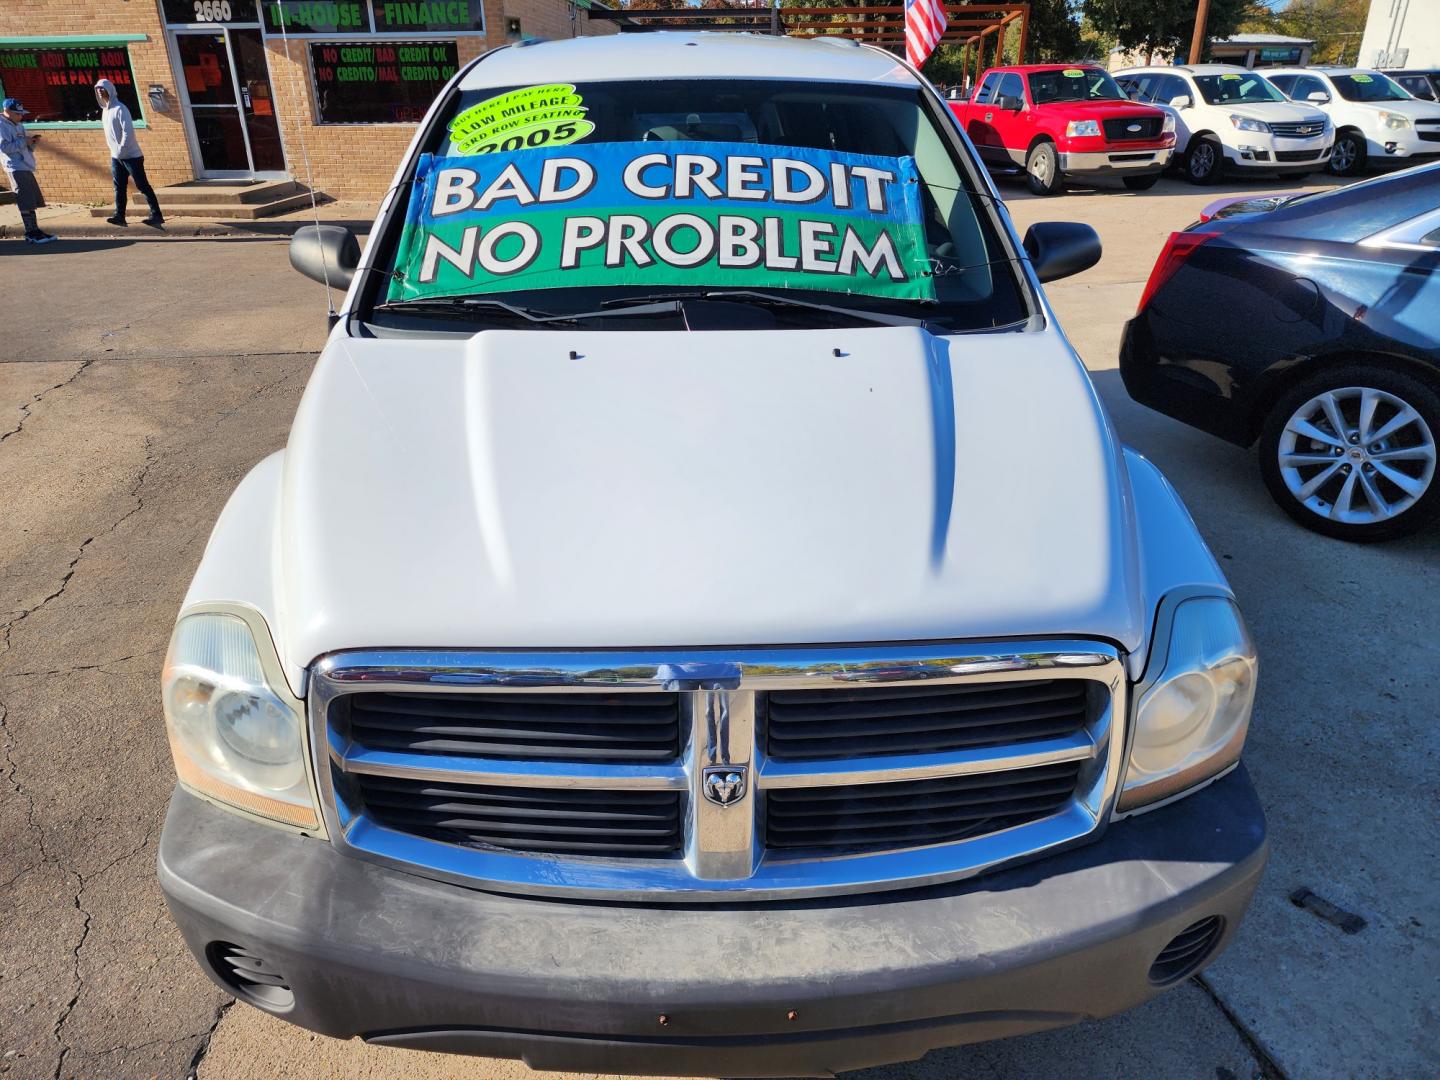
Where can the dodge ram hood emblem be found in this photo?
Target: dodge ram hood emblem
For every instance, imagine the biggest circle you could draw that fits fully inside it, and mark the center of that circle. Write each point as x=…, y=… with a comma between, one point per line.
x=724, y=784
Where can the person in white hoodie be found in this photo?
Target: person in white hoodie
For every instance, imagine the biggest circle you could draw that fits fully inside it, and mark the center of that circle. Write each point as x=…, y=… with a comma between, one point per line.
x=127, y=161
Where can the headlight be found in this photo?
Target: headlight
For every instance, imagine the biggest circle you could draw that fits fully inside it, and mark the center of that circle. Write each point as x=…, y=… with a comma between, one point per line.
x=1169, y=124
x=1190, y=723
x=1395, y=120
x=236, y=735
x=1082, y=127
x=1244, y=123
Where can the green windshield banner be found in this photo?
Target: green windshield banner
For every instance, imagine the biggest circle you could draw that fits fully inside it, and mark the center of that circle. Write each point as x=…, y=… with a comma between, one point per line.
x=682, y=214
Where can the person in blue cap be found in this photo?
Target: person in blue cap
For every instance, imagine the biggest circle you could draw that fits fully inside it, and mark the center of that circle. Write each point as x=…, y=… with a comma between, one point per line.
x=17, y=157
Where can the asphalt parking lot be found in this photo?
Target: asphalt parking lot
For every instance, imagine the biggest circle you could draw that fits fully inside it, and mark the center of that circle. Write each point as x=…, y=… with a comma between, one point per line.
x=140, y=380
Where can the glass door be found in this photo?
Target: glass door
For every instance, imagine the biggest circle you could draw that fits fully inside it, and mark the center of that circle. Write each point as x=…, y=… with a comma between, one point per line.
x=229, y=104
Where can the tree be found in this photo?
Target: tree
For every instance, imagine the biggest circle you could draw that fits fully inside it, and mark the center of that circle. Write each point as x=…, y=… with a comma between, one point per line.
x=1335, y=26
x=1054, y=32
x=1163, y=25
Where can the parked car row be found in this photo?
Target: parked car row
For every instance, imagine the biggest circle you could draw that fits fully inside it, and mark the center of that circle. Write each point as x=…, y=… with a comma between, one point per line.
x=1058, y=121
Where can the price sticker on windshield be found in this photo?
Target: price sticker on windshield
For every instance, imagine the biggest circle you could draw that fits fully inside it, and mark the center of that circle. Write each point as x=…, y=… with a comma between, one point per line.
x=1073, y=73
x=549, y=115
x=1230, y=76
x=1362, y=78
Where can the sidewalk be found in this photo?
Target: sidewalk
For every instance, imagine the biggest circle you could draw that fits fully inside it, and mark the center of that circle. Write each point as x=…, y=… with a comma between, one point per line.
x=73, y=221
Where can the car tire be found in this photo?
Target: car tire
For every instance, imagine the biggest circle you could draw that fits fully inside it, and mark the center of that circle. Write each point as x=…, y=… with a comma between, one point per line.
x=1349, y=161
x=1203, y=161
x=1042, y=169
x=1338, y=483
x=1142, y=183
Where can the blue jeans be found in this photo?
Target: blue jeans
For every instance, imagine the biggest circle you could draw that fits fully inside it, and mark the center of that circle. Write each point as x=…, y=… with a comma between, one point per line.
x=122, y=170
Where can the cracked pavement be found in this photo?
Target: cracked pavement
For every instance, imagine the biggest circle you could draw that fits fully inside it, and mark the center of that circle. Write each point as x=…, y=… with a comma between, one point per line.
x=128, y=413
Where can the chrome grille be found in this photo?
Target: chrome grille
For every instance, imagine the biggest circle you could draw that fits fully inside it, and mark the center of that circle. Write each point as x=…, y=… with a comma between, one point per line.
x=749, y=774
x=1303, y=129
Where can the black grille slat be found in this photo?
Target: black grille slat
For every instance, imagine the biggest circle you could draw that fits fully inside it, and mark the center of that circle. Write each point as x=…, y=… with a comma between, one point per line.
x=1117, y=129
x=1016, y=780
x=1297, y=155
x=968, y=700
x=619, y=727
x=881, y=721
x=552, y=820
x=871, y=817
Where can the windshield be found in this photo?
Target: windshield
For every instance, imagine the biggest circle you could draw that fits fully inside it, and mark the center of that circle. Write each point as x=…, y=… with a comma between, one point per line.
x=584, y=201
x=1233, y=88
x=1368, y=86
x=1073, y=84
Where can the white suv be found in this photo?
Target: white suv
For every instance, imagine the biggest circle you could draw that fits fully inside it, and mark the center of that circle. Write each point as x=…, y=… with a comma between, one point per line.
x=663, y=344
x=1377, y=121
x=1231, y=117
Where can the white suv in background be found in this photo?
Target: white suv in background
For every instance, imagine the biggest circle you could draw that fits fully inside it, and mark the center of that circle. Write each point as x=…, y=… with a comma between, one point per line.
x=1231, y=117
x=1377, y=121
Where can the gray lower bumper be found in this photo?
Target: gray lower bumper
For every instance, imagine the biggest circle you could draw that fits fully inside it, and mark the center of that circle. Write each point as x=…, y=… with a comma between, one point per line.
x=802, y=988
x=1130, y=162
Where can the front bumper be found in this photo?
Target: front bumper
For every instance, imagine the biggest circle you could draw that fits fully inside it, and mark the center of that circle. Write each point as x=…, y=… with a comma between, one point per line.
x=1131, y=161
x=1400, y=149
x=800, y=988
x=1258, y=153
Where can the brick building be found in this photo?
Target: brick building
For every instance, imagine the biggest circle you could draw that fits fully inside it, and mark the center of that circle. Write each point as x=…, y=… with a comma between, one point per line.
x=246, y=89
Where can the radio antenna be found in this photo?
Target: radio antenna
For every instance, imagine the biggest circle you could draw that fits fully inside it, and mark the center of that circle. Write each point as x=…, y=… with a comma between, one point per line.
x=309, y=173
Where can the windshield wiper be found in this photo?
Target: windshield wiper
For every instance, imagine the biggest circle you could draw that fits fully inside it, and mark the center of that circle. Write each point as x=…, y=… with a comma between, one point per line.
x=660, y=304
x=879, y=318
x=465, y=305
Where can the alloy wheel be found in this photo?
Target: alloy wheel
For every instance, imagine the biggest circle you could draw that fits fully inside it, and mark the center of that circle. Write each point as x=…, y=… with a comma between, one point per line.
x=1357, y=455
x=1343, y=156
x=1203, y=160
x=1040, y=167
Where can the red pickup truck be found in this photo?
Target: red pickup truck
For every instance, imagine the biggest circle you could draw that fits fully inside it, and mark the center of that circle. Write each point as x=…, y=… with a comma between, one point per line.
x=1065, y=120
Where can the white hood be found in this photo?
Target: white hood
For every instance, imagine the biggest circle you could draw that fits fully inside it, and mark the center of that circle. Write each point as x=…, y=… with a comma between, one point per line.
x=555, y=489
x=1277, y=112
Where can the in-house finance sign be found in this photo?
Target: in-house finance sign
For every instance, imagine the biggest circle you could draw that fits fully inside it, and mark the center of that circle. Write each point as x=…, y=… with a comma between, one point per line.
x=681, y=214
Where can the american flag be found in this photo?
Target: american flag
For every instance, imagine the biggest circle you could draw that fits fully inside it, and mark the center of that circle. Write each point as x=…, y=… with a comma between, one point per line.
x=924, y=23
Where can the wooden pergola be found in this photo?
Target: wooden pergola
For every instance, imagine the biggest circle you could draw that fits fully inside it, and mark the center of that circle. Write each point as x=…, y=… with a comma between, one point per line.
x=980, y=27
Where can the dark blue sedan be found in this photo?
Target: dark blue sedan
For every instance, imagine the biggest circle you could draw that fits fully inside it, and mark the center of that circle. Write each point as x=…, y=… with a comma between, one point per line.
x=1311, y=324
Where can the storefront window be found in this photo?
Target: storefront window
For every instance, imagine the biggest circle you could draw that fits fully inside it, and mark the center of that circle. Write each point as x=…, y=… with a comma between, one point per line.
x=384, y=82
x=427, y=16
x=316, y=16
x=210, y=11
x=58, y=85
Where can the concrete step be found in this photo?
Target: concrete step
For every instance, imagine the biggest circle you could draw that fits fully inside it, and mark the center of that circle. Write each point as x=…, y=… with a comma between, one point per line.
x=229, y=192
x=216, y=211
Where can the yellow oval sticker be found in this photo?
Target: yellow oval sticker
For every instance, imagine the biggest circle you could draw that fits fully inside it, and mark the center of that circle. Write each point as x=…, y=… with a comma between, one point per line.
x=1230, y=77
x=1361, y=78
x=1073, y=73
x=535, y=116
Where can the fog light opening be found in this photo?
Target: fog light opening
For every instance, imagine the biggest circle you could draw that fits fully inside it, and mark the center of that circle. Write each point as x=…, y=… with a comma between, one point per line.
x=250, y=978
x=1187, y=951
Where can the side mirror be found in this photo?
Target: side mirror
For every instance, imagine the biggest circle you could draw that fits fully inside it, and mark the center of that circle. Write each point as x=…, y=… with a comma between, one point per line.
x=1319, y=97
x=1180, y=101
x=1058, y=249
x=1007, y=103
x=321, y=251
